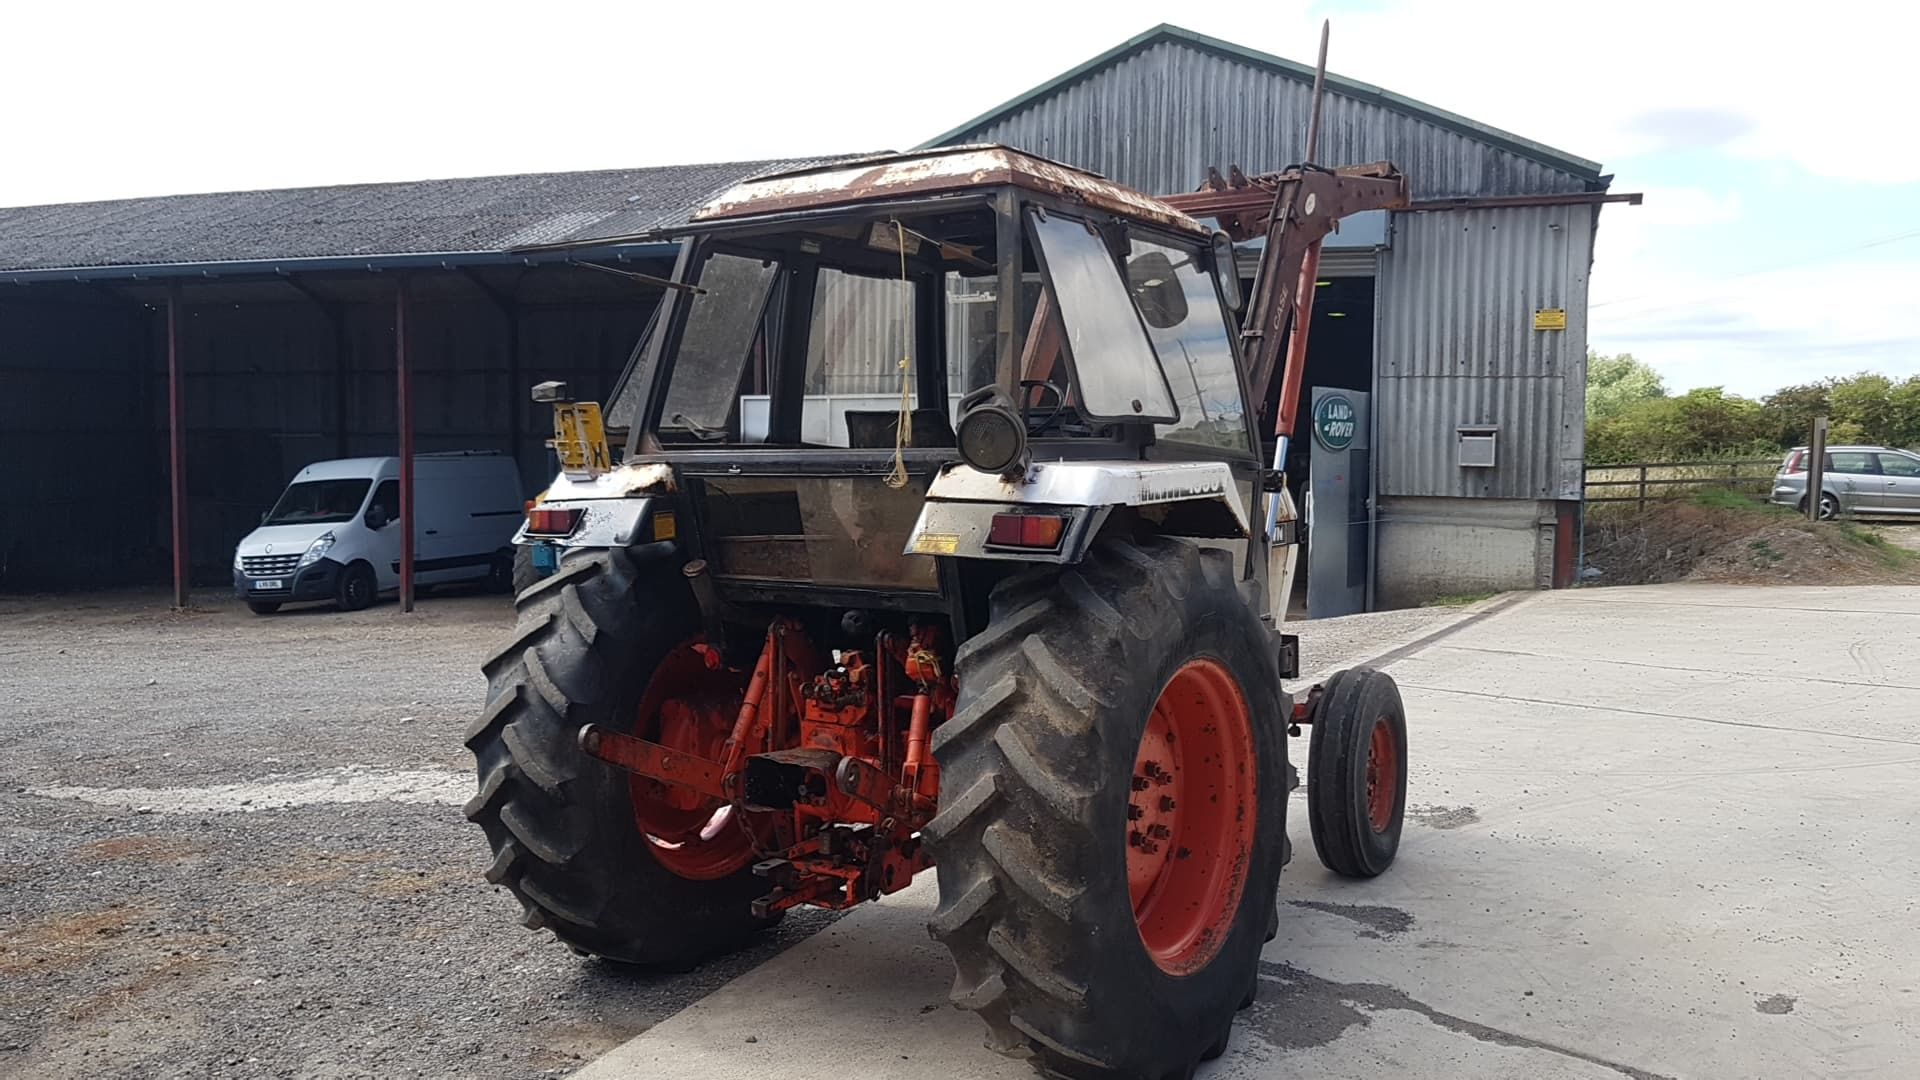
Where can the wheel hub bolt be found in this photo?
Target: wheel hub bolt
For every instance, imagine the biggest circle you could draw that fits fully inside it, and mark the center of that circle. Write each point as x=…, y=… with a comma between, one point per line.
x=1137, y=838
x=1159, y=832
x=1166, y=802
x=1141, y=783
x=1134, y=813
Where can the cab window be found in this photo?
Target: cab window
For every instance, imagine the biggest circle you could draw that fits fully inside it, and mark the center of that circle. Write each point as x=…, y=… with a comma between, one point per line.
x=387, y=498
x=1113, y=364
x=1850, y=462
x=1192, y=336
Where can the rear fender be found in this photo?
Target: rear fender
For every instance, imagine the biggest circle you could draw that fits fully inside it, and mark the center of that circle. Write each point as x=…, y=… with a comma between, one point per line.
x=616, y=508
x=1196, y=499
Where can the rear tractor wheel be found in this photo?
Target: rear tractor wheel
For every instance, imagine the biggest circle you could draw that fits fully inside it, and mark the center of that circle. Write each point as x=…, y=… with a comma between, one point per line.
x=525, y=574
x=614, y=864
x=1357, y=773
x=1112, y=809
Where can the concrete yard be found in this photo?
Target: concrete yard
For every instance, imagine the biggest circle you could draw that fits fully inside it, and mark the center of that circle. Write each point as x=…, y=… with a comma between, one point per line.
x=1660, y=831
x=1664, y=831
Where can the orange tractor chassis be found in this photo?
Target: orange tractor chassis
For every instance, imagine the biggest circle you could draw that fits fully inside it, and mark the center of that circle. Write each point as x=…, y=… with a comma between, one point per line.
x=832, y=821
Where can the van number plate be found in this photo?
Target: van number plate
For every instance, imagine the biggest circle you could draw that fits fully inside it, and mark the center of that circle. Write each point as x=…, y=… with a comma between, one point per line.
x=267, y=583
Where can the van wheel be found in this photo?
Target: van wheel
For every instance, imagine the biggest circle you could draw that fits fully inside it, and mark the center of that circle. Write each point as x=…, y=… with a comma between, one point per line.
x=263, y=607
x=356, y=589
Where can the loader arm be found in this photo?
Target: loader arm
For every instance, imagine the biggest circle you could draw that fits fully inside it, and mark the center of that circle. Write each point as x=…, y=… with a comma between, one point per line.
x=1294, y=209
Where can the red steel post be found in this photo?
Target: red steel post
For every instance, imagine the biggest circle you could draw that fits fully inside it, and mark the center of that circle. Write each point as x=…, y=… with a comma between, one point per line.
x=177, y=448
x=404, y=376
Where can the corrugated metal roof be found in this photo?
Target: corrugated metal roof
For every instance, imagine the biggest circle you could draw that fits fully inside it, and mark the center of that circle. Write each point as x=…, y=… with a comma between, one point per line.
x=1455, y=345
x=1155, y=111
x=937, y=171
x=479, y=214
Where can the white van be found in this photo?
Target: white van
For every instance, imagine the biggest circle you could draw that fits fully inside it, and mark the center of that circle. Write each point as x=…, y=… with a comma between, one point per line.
x=333, y=534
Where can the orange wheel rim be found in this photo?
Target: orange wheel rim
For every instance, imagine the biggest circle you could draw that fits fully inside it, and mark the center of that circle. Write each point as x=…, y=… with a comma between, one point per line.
x=1191, y=808
x=1383, y=775
x=689, y=707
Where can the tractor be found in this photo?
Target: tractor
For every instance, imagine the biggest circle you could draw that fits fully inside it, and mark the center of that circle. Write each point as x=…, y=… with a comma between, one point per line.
x=945, y=539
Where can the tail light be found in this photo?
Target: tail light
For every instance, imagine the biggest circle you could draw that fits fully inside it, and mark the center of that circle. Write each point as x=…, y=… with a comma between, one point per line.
x=1794, y=462
x=544, y=521
x=1039, y=532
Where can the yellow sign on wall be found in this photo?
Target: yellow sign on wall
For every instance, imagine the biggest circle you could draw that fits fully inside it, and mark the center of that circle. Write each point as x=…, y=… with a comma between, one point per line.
x=1553, y=318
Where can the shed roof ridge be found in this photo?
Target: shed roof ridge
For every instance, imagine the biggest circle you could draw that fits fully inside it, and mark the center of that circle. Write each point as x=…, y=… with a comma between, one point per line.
x=1341, y=84
x=373, y=185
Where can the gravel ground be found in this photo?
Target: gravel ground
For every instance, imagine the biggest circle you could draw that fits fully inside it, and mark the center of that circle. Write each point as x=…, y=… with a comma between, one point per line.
x=1327, y=645
x=191, y=885
x=1901, y=535
x=231, y=846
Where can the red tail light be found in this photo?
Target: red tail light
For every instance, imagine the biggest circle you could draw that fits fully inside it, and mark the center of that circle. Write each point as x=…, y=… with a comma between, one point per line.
x=1794, y=461
x=542, y=521
x=1040, y=532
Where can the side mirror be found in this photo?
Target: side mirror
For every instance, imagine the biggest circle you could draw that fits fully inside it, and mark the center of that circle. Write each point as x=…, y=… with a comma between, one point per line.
x=1227, y=271
x=1157, y=291
x=376, y=516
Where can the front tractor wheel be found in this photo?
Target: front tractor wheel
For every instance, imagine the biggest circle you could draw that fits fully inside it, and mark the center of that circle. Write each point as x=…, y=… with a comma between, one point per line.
x=1112, y=809
x=1357, y=773
x=615, y=865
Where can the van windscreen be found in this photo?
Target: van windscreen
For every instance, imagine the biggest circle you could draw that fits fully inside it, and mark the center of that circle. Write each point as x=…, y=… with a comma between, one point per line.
x=318, y=502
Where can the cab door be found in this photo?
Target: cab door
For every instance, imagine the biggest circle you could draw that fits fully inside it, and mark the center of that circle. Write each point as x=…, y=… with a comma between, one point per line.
x=384, y=552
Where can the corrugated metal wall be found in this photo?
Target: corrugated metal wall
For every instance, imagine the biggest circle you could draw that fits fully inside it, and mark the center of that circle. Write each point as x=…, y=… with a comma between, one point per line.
x=1156, y=119
x=79, y=485
x=1455, y=345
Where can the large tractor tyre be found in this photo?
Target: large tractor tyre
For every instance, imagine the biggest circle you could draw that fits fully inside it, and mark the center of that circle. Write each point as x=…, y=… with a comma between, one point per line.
x=1112, y=806
x=1357, y=773
x=525, y=575
x=577, y=841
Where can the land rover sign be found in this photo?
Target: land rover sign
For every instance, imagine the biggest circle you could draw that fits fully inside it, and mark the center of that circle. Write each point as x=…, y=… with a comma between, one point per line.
x=1333, y=421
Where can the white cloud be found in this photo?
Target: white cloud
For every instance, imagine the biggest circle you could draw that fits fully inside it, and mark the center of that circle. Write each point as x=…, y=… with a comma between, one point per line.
x=1827, y=90
x=1760, y=331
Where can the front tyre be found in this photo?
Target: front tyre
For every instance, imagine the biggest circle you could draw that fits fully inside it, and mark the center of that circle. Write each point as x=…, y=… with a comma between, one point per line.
x=1112, y=809
x=356, y=589
x=1357, y=773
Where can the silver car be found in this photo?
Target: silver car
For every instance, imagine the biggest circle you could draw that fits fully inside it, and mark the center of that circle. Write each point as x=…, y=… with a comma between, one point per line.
x=1868, y=480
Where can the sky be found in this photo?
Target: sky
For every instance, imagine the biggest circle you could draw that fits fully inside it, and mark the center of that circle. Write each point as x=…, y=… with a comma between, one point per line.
x=1779, y=241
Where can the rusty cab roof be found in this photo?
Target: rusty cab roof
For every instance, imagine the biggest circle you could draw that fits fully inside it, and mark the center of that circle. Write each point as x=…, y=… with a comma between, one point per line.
x=948, y=170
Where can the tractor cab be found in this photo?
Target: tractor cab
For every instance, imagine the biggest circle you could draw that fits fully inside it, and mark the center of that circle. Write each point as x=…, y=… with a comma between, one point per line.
x=842, y=343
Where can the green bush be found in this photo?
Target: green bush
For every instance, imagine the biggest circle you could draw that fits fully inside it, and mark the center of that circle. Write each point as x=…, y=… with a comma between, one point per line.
x=1632, y=418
